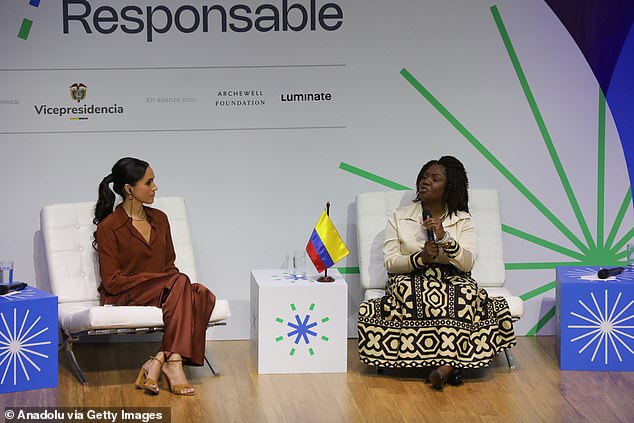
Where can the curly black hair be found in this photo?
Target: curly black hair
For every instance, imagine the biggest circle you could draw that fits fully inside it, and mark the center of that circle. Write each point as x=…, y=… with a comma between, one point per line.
x=456, y=195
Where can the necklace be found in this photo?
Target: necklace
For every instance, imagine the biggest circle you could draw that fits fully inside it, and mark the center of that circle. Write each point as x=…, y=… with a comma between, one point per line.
x=138, y=220
x=132, y=217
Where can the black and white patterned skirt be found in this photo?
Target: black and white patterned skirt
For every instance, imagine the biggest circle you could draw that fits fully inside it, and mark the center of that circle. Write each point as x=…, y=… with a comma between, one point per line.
x=434, y=317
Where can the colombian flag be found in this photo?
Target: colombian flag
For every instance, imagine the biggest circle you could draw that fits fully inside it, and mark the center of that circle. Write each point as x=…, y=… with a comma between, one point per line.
x=325, y=246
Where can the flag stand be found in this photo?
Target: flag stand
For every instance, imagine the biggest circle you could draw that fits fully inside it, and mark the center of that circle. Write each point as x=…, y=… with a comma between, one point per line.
x=326, y=278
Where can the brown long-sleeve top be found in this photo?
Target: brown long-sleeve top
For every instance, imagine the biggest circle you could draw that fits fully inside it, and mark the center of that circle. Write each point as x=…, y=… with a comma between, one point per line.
x=125, y=258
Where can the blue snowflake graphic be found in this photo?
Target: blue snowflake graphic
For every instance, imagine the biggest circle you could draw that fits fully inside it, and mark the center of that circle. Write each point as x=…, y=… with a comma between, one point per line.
x=18, y=347
x=302, y=329
x=606, y=326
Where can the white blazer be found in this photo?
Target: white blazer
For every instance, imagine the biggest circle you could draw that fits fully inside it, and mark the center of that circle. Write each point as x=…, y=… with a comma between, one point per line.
x=405, y=236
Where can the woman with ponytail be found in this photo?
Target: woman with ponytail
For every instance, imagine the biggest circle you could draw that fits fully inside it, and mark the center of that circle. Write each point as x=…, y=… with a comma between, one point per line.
x=136, y=261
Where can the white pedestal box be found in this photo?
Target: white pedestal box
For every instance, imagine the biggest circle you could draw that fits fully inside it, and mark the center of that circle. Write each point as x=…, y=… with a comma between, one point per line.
x=298, y=325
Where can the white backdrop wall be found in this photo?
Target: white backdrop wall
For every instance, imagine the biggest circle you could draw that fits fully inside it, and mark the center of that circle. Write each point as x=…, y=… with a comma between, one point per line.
x=256, y=176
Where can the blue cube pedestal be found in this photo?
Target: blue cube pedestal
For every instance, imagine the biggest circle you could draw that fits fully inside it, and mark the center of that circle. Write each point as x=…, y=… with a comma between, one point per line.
x=595, y=320
x=28, y=340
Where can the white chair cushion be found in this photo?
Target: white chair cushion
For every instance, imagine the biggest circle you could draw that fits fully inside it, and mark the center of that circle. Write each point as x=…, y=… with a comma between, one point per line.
x=89, y=315
x=516, y=304
x=373, y=293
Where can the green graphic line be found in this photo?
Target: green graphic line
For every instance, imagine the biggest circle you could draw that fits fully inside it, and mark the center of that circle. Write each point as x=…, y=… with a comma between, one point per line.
x=572, y=199
x=601, y=171
x=25, y=28
x=597, y=256
x=325, y=319
x=542, y=242
x=310, y=351
x=539, y=265
x=325, y=338
x=626, y=238
x=293, y=307
x=372, y=177
x=278, y=320
x=601, y=251
x=493, y=160
x=292, y=353
x=348, y=270
x=542, y=322
x=312, y=306
x=620, y=216
x=538, y=291
x=279, y=338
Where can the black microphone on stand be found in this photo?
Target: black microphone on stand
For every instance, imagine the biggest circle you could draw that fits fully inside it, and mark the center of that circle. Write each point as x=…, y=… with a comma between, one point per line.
x=606, y=273
x=430, y=232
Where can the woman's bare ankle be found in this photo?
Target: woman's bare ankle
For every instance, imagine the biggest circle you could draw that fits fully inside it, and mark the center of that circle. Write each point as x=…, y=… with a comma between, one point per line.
x=174, y=370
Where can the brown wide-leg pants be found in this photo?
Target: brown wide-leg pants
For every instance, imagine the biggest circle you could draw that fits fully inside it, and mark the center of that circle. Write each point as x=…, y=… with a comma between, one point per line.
x=186, y=310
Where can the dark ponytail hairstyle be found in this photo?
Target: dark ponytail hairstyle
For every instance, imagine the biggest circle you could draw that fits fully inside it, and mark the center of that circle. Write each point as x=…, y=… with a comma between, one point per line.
x=456, y=191
x=127, y=170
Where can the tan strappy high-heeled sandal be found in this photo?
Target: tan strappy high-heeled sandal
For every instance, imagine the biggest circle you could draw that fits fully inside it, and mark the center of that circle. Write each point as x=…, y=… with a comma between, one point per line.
x=180, y=389
x=143, y=382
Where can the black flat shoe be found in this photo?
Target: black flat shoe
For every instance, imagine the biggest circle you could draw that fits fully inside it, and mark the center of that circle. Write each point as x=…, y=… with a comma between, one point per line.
x=436, y=380
x=456, y=378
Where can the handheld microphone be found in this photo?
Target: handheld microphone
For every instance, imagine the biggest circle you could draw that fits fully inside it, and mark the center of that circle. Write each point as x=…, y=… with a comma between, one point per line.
x=430, y=232
x=606, y=273
x=9, y=287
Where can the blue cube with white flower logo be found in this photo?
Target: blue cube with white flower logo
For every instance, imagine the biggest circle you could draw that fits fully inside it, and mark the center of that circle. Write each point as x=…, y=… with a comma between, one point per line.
x=595, y=320
x=28, y=340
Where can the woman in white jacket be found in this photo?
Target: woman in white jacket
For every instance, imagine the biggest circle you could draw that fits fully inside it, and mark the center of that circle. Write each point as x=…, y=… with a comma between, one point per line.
x=433, y=313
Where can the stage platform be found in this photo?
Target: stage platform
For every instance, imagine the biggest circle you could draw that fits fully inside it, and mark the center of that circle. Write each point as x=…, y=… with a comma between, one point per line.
x=536, y=392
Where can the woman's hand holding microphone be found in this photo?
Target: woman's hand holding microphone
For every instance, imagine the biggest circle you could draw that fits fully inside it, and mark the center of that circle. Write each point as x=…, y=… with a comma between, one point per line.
x=435, y=231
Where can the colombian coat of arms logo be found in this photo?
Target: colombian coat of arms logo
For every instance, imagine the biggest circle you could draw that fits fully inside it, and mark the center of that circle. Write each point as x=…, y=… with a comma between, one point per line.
x=78, y=91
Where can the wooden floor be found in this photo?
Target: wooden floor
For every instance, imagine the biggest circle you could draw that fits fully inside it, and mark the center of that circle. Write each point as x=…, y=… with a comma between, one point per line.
x=536, y=392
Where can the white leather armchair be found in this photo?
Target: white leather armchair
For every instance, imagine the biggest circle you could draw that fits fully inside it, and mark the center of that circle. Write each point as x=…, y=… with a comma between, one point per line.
x=73, y=270
x=373, y=210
